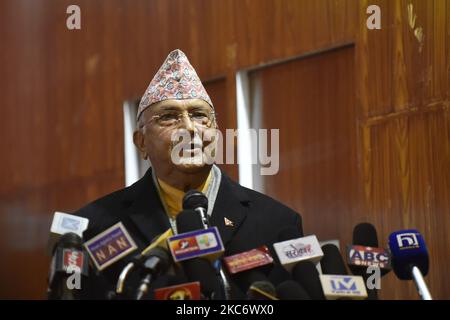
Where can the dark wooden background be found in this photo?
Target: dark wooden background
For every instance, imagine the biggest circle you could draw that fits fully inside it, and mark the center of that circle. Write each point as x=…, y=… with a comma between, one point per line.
x=363, y=114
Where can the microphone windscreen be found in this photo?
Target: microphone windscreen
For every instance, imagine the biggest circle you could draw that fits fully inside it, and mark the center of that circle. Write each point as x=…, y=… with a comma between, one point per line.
x=278, y=274
x=188, y=220
x=158, y=260
x=408, y=249
x=70, y=240
x=306, y=274
x=291, y=290
x=365, y=234
x=261, y=290
x=194, y=199
x=332, y=262
x=168, y=281
x=247, y=278
x=199, y=269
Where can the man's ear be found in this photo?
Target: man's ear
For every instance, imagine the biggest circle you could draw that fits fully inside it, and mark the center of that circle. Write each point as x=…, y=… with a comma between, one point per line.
x=138, y=139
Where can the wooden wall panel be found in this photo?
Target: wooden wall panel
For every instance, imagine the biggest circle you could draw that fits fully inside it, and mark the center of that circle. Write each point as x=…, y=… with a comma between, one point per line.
x=310, y=100
x=404, y=129
x=267, y=30
x=409, y=181
x=25, y=221
x=404, y=71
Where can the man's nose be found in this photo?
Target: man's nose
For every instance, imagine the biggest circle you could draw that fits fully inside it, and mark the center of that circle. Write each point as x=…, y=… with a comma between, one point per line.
x=187, y=123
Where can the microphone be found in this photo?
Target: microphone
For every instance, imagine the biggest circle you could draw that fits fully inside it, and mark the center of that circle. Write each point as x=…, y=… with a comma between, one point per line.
x=410, y=258
x=192, y=242
x=291, y=290
x=247, y=267
x=332, y=262
x=192, y=247
x=159, y=242
x=306, y=274
x=156, y=263
x=336, y=283
x=201, y=270
x=184, y=291
x=248, y=260
x=292, y=251
x=278, y=274
x=365, y=253
x=299, y=256
x=197, y=201
x=64, y=223
x=110, y=246
x=69, y=262
x=261, y=290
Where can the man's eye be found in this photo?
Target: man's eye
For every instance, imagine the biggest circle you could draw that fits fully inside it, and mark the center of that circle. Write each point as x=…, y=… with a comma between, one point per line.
x=199, y=115
x=168, y=117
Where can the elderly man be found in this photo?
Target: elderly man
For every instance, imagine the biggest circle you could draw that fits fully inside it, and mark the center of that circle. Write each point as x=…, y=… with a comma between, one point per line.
x=177, y=101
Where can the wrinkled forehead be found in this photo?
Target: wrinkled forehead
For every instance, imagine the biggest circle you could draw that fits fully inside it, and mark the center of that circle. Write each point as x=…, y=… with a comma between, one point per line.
x=179, y=105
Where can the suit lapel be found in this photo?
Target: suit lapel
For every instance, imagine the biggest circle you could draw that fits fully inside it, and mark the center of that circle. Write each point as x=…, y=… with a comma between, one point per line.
x=146, y=210
x=147, y=213
x=230, y=208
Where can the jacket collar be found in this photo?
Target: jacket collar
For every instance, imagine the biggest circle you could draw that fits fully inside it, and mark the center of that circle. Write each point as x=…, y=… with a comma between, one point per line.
x=231, y=205
x=146, y=210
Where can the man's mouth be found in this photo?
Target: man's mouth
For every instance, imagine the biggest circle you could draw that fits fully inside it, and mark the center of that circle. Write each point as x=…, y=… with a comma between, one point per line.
x=192, y=148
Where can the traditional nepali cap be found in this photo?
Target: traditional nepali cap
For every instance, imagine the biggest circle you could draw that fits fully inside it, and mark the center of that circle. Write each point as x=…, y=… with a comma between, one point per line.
x=175, y=79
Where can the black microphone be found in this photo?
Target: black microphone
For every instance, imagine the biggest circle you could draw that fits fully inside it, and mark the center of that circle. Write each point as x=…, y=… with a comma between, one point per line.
x=364, y=253
x=156, y=263
x=336, y=283
x=201, y=270
x=306, y=274
x=188, y=220
x=198, y=269
x=247, y=278
x=69, y=262
x=261, y=290
x=304, y=271
x=197, y=201
x=332, y=262
x=291, y=290
x=278, y=274
x=365, y=234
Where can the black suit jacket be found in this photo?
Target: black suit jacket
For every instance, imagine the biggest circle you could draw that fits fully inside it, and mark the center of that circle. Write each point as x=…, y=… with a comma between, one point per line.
x=257, y=220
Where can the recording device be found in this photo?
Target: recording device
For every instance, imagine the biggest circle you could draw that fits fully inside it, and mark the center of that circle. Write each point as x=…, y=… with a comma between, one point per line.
x=364, y=253
x=197, y=201
x=410, y=259
x=261, y=290
x=299, y=256
x=306, y=275
x=69, y=266
x=336, y=283
x=292, y=251
x=64, y=223
x=159, y=242
x=291, y=290
x=192, y=247
x=184, y=291
x=156, y=263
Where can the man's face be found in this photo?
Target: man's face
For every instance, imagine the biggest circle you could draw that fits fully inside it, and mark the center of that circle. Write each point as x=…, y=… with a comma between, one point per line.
x=192, y=120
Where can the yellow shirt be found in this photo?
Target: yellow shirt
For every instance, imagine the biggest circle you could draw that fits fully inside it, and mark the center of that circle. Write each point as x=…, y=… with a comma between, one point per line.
x=173, y=197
